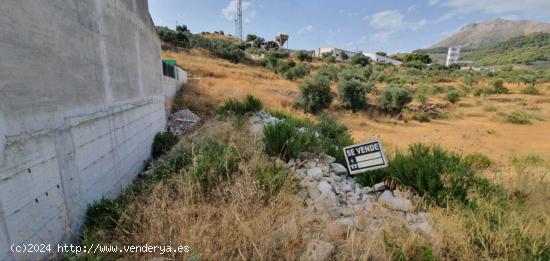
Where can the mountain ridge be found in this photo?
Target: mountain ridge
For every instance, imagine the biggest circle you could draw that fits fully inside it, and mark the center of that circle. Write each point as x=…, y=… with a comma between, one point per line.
x=493, y=31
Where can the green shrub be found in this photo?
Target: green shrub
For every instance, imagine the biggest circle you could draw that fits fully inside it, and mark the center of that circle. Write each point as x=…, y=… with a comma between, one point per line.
x=478, y=92
x=440, y=176
x=415, y=64
x=234, y=106
x=353, y=94
x=417, y=57
x=213, y=162
x=103, y=215
x=360, y=59
x=271, y=178
x=283, y=65
x=163, y=142
x=286, y=140
x=518, y=117
x=499, y=88
x=469, y=80
x=530, y=90
x=355, y=72
x=422, y=98
x=315, y=94
x=394, y=97
x=453, y=96
x=176, y=160
x=329, y=71
x=478, y=161
x=291, y=136
x=330, y=59
x=421, y=116
x=334, y=137
x=304, y=56
x=297, y=72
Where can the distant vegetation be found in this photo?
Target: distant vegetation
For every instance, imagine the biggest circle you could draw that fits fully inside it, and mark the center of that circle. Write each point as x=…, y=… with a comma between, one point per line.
x=518, y=50
x=530, y=50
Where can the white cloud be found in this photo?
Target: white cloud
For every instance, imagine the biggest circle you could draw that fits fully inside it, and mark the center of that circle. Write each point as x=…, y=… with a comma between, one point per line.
x=445, y=17
x=433, y=2
x=346, y=13
x=388, y=20
x=230, y=11
x=527, y=7
x=307, y=28
x=393, y=20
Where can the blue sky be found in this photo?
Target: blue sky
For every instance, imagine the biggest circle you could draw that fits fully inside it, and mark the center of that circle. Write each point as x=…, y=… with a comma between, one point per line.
x=367, y=25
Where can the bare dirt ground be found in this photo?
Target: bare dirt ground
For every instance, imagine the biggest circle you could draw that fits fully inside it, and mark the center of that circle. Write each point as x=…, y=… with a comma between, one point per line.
x=475, y=124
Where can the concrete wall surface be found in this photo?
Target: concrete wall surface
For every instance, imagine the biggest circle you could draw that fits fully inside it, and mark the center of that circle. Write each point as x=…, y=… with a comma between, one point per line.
x=171, y=86
x=81, y=99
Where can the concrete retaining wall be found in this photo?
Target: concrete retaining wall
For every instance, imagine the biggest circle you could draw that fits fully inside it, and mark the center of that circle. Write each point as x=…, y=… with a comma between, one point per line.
x=81, y=99
x=171, y=86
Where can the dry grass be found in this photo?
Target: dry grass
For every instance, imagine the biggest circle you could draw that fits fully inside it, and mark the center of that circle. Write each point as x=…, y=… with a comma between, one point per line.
x=232, y=222
x=220, y=79
x=514, y=230
x=237, y=220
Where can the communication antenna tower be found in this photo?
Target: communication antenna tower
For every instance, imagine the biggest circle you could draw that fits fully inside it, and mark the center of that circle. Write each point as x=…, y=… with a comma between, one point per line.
x=239, y=20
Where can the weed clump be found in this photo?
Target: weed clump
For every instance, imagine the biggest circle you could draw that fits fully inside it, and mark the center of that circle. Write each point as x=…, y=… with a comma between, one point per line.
x=453, y=96
x=286, y=139
x=530, y=90
x=163, y=142
x=518, y=117
x=421, y=116
x=440, y=176
x=234, y=106
x=213, y=162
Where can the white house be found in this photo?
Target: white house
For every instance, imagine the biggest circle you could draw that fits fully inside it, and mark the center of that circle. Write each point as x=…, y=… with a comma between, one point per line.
x=379, y=58
x=338, y=53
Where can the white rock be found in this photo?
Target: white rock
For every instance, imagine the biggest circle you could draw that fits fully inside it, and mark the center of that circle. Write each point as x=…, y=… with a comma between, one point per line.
x=311, y=164
x=346, y=188
x=379, y=186
x=367, y=190
x=318, y=250
x=337, y=189
x=358, y=190
x=354, y=199
x=395, y=203
x=338, y=169
x=315, y=172
x=329, y=159
x=324, y=187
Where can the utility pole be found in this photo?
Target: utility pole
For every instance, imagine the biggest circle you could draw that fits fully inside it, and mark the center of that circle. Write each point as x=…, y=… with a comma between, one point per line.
x=239, y=20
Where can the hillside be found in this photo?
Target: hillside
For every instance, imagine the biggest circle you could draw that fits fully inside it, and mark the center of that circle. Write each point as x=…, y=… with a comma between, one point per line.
x=241, y=185
x=518, y=50
x=493, y=31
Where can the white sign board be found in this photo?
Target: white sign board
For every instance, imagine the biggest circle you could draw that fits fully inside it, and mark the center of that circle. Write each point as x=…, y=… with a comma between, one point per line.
x=365, y=157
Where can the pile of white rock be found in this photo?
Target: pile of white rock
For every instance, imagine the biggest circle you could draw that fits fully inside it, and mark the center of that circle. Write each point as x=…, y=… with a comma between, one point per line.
x=327, y=187
x=182, y=121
